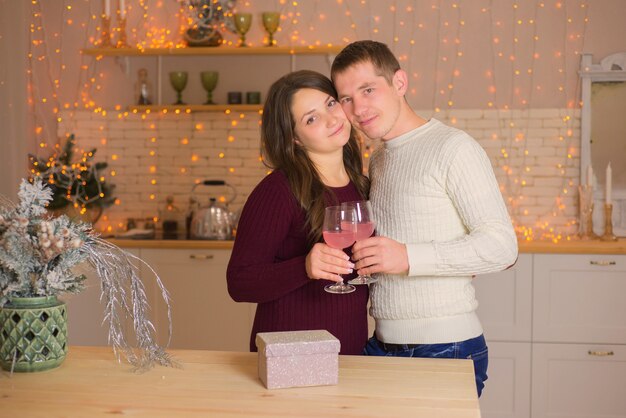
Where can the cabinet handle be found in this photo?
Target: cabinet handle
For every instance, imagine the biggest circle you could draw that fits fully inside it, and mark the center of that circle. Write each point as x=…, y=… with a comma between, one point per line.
x=602, y=263
x=600, y=353
x=201, y=256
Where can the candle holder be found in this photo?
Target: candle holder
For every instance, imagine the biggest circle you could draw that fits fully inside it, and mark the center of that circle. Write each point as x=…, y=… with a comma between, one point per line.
x=105, y=34
x=608, y=223
x=585, y=202
x=121, y=42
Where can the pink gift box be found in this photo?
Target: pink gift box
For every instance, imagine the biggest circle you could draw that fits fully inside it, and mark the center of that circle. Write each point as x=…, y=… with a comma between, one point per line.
x=298, y=358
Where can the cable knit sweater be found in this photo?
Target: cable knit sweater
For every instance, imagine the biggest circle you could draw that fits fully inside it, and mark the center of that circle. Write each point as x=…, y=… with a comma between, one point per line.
x=434, y=190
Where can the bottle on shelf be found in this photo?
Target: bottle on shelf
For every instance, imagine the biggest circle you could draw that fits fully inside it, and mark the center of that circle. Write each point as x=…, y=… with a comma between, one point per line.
x=194, y=205
x=143, y=88
x=169, y=219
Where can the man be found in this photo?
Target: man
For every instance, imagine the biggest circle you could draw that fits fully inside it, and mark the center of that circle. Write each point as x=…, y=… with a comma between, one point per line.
x=440, y=217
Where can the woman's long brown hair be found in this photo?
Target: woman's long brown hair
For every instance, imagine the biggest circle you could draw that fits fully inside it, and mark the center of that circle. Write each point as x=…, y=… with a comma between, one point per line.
x=280, y=151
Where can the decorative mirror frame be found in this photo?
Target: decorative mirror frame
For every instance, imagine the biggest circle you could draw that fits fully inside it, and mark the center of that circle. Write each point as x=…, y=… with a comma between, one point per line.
x=611, y=68
x=590, y=73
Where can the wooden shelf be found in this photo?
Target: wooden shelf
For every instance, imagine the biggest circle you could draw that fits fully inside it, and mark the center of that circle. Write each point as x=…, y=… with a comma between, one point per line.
x=218, y=50
x=159, y=53
x=197, y=108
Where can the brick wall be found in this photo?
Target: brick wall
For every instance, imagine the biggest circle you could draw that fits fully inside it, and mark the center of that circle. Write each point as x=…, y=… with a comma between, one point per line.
x=535, y=155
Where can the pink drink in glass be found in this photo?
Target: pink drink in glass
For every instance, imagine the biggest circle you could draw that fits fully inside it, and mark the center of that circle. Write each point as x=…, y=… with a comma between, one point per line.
x=339, y=231
x=340, y=239
x=365, y=226
x=364, y=230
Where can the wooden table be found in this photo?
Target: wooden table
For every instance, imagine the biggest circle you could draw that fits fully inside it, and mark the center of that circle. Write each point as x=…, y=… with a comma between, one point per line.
x=90, y=383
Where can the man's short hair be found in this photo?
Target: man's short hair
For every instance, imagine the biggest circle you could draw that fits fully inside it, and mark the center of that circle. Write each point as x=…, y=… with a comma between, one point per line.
x=384, y=62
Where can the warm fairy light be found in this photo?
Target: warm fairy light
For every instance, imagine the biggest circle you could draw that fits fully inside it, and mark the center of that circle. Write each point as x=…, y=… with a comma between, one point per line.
x=508, y=39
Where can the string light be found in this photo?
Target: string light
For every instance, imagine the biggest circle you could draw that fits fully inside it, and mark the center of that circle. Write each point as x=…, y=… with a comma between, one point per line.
x=511, y=78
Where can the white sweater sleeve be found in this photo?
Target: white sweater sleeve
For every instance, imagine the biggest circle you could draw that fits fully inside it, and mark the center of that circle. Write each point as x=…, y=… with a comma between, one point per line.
x=490, y=243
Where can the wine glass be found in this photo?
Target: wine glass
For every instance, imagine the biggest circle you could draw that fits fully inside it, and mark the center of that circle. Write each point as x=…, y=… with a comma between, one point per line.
x=339, y=232
x=242, y=24
x=209, y=82
x=365, y=226
x=178, y=80
x=271, y=21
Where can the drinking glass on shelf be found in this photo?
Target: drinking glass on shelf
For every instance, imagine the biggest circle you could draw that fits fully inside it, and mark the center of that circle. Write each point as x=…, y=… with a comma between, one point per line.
x=365, y=226
x=178, y=80
x=242, y=24
x=271, y=21
x=209, y=82
x=339, y=232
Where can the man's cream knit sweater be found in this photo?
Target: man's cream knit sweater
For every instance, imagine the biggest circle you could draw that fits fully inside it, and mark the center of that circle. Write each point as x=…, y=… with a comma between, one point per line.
x=434, y=190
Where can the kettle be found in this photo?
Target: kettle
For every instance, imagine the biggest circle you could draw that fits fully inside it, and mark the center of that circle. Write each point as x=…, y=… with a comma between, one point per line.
x=214, y=221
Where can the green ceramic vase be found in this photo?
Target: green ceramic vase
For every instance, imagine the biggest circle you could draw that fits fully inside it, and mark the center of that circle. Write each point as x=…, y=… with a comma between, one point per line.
x=33, y=334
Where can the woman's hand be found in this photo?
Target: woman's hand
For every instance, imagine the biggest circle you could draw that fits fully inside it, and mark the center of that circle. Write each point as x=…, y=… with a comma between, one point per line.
x=324, y=262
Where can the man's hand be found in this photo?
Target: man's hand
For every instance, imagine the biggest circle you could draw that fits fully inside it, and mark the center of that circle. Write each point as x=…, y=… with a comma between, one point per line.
x=380, y=255
x=324, y=262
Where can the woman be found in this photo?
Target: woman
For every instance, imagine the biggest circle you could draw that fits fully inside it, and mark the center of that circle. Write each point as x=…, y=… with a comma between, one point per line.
x=279, y=260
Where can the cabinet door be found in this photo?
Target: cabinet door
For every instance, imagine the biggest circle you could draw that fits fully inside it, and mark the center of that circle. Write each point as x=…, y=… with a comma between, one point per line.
x=203, y=314
x=579, y=298
x=579, y=381
x=504, y=301
x=507, y=389
x=85, y=311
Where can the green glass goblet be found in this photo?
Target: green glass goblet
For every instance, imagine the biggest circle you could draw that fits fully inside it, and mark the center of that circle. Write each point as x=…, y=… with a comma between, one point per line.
x=271, y=21
x=178, y=80
x=242, y=24
x=209, y=82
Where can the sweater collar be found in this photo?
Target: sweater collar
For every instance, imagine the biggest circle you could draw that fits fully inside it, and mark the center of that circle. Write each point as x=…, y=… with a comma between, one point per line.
x=406, y=137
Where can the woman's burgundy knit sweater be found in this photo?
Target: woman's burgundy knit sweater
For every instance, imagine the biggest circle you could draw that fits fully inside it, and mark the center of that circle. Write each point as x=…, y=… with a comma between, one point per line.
x=267, y=267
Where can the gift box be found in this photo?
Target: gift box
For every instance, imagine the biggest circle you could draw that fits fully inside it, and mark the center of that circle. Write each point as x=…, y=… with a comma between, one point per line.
x=298, y=358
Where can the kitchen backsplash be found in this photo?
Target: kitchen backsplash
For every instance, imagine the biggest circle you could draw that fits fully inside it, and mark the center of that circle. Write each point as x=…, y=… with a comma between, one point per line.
x=535, y=154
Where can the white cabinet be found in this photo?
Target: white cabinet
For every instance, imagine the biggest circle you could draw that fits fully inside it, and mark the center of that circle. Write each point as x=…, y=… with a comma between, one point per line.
x=556, y=329
x=580, y=299
x=203, y=314
x=204, y=317
x=507, y=389
x=579, y=336
x=505, y=310
x=505, y=301
x=578, y=381
x=85, y=311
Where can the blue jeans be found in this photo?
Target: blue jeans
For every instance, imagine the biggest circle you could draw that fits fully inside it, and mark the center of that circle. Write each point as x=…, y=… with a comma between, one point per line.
x=475, y=349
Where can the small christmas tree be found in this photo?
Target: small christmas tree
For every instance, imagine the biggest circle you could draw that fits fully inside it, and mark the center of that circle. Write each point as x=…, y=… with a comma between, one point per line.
x=79, y=183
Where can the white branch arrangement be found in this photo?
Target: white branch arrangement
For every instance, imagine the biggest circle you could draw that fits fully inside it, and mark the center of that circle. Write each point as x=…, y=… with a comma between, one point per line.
x=38, y=252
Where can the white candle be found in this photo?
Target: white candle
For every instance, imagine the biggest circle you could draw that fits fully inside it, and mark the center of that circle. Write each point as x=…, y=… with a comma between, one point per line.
x=107, y=8
x=609, y=174
x=122, y=9
x=589, y=175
